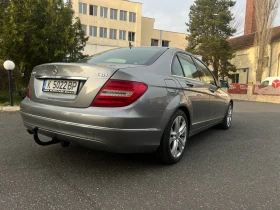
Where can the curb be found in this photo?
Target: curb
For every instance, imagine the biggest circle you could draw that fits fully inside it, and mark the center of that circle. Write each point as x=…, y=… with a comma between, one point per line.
x=9, y=108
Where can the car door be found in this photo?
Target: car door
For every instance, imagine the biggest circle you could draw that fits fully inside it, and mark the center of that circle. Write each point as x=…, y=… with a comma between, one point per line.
x=263, y=87
x=218, y=104
x=186, y=73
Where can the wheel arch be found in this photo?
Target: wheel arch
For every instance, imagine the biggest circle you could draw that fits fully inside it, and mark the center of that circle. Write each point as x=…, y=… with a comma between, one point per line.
x=168, y=114
x=187, y=113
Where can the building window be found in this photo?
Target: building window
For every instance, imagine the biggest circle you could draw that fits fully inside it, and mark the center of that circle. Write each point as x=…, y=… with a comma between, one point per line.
x=122, y=35
x=93, y=10
x=82, y=8
x=132, y=17
x=103, y=32
x=84, y=28
x=114, y=14
x=103, y=12
x=154, y=42
x=235, y=78
x=165, y=43
x=92, y=30
x=123, y=15
x=113, y=34
x=131, y=36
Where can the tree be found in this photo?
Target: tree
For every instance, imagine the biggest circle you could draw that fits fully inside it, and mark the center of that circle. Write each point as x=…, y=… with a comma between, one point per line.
x=3, y=4
x=264, y=15
x=210, y=28
x=34, y=32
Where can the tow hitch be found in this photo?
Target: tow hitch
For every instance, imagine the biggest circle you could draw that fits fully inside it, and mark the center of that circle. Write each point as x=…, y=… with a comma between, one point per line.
x=43, y=143
x=46, y=143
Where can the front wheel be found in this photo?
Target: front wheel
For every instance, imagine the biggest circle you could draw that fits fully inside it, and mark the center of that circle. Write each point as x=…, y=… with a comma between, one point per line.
x=174, y=139
x=228, y=118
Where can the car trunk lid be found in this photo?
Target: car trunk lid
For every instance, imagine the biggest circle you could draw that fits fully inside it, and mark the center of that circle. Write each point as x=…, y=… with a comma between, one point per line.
x=71, y=84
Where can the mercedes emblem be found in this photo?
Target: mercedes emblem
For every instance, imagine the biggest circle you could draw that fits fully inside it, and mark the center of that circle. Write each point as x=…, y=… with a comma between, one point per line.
x=55, y=70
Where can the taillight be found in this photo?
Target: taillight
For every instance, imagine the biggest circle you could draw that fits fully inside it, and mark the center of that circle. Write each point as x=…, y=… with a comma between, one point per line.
x=119, y=93
x=28, y=91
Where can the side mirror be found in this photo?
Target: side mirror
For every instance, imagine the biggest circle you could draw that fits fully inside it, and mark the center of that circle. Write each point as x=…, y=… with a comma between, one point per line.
x=224, y=84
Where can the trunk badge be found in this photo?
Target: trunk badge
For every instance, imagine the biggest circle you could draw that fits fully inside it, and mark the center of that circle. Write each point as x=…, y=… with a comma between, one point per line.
x=102, y=75
x=55, y=70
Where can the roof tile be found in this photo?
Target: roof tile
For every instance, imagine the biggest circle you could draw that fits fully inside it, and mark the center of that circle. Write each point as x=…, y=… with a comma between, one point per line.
x=246, y=41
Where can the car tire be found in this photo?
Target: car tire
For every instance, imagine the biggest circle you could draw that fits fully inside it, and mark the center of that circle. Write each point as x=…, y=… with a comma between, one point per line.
x=65, y=143
x=227, y=119
x=174, y=139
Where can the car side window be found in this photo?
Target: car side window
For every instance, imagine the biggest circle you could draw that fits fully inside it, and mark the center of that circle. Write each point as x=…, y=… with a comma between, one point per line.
x=176, y=68
x=206, y=75
x=189, y=67
x=265, y=83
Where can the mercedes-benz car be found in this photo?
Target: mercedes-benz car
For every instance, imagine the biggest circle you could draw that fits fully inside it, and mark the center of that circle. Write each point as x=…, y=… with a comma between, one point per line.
x=126, y=100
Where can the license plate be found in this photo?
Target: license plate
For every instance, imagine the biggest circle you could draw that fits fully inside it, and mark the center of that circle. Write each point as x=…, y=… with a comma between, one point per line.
x=61, y=86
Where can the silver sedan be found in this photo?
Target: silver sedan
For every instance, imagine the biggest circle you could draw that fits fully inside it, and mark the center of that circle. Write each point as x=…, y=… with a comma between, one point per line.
x=127, y=100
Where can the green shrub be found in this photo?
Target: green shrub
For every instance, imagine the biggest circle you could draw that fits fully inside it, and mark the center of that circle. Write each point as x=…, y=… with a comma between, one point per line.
x=21, y=92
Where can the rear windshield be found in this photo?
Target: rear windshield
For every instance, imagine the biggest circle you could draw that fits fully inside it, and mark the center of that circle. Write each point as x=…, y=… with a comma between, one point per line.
x=137, y=56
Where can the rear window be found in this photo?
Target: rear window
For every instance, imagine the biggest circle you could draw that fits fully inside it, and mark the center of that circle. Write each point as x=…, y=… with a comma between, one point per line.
x=136, y=56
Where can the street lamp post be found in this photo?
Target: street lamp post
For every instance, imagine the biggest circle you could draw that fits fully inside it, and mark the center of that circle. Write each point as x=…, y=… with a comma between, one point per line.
x=9, y=66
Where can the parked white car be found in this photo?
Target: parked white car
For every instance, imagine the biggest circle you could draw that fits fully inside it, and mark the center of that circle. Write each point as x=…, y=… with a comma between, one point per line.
x=270, y=81
x=269, y=86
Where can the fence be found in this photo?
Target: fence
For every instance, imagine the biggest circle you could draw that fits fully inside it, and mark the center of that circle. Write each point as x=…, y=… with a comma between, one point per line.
x=269, y=93
x=238, y=88
x=269, y=90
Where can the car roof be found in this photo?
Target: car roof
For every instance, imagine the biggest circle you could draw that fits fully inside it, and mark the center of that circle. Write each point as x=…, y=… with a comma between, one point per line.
x=268, y=78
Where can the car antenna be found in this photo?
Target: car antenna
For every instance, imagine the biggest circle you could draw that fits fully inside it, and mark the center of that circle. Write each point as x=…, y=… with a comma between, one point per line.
x=130, y=45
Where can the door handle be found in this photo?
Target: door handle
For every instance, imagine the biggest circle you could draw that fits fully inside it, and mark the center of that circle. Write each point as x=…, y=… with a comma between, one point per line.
x=189, y=84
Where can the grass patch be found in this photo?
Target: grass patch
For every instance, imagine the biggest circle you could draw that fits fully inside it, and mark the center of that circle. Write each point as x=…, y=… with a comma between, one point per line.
x=5, y=99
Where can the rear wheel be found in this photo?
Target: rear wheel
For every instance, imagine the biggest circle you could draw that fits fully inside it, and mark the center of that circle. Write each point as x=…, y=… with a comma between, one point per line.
x=227, y=119
x=174, y=139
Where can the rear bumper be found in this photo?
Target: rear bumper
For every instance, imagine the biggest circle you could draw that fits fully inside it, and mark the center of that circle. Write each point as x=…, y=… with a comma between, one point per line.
x=73, y=125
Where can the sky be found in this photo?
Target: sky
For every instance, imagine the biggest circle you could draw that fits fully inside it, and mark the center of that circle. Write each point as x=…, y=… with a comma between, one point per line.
x=171, y=15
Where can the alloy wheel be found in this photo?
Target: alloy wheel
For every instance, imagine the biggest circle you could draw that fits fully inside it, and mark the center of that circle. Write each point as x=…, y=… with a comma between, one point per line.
x=178, y=136
x=229, y=115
